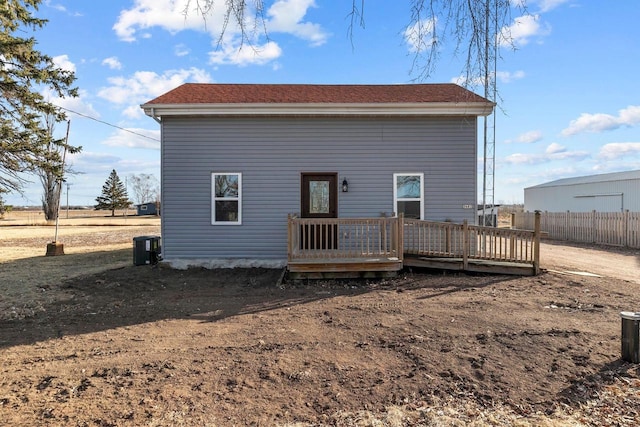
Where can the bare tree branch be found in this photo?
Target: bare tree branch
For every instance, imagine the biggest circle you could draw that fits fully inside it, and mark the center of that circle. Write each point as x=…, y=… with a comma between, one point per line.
x=474, y=28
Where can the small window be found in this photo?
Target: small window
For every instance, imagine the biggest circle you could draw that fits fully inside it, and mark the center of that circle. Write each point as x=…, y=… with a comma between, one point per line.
x=408, y=191
x=227, y=198
x=143, y=207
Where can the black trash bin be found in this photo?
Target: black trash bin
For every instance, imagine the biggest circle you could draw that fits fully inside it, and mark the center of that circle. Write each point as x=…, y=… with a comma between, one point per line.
x=146, y=250
x=630, y=336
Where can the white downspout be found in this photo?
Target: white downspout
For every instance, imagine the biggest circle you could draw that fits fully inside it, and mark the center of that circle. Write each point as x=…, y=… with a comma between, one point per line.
x=153, y=115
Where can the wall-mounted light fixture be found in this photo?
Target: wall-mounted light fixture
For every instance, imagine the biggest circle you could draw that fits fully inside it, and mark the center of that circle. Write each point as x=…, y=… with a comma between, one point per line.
x=345, y=185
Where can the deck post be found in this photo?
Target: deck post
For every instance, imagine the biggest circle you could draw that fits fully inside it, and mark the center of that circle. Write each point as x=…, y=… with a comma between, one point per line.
x=536, y=244
x=400, y=234
x=465, y=245
x=289, y=237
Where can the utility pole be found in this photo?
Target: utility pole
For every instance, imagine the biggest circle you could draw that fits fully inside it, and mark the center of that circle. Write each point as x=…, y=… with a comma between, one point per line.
x=55, y=248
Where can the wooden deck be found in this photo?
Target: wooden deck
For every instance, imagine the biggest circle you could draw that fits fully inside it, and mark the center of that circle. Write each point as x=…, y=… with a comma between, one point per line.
x=375, y=247
x=473, y=265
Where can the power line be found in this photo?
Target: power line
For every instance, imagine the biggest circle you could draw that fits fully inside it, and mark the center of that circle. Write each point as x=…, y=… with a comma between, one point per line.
x=108, y=124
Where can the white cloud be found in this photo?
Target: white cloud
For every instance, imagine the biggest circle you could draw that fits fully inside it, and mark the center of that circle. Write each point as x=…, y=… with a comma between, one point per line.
x=284, y=16
x=181, y=50
x=59, y=7
x=243, y=55
x=547, y=5
x=617, y=150
x=89, y=158
x=76, y=105
x=63, y=62
x=522, y=30
x=478, y=81
x=555, y=148
x=464, y=81
x=94, y=168
x=419, y=36
x=143, y=86
x=600, y=122
x=508, y=77
x=112, y=62
x=145, y=14
x=553, y=152
x=523, y=159
x=527, y=138
x=134, y=138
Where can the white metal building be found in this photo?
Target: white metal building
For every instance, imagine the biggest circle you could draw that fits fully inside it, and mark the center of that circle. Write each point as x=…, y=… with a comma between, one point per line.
x=610, y=192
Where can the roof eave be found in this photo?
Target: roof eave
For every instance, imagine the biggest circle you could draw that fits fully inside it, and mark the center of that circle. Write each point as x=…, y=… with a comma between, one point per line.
x=321, y=109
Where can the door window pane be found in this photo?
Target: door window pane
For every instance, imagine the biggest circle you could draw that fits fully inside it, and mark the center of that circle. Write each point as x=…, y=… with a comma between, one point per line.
x=319, y=197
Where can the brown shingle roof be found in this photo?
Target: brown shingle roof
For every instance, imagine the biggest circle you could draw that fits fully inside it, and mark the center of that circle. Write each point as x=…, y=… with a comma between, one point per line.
x=201, y=93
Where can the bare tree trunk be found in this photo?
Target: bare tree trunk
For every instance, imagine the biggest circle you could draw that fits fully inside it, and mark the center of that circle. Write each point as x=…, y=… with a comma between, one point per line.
x=50, y=196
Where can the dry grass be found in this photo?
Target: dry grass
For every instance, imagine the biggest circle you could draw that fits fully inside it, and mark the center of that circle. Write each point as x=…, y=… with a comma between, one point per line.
x=77, y=217
x=92, y=243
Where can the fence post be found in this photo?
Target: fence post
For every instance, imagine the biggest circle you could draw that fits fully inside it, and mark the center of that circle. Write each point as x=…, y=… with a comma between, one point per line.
x=536, y=244
x=625, y=228
x=465, y=245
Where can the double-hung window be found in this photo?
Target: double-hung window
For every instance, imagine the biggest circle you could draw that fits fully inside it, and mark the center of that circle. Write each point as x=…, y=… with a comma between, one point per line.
x=227, y=198
x=408, y=194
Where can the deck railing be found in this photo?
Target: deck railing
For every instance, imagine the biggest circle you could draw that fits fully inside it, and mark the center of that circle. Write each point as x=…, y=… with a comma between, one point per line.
x=449, y=240
x=344, y=238
x=334, y=239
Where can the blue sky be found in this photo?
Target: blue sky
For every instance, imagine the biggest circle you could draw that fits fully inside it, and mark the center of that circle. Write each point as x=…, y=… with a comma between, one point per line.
x=570, y=97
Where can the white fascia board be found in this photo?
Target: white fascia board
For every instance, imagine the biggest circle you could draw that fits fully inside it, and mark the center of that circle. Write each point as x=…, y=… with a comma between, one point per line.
x=404, y=109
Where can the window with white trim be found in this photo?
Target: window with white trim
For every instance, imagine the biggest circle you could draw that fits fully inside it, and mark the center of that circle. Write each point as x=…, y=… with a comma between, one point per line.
x=408, y=194
x=227, y=198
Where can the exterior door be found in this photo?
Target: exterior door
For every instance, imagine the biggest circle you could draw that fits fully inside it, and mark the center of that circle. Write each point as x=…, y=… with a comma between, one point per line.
x=319, y=198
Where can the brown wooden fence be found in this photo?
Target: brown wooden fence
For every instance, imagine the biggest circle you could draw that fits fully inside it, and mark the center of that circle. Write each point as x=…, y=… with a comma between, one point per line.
x=606, y=228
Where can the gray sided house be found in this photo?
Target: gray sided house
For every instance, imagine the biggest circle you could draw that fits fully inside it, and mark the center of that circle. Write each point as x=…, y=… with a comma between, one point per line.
x=237, y=160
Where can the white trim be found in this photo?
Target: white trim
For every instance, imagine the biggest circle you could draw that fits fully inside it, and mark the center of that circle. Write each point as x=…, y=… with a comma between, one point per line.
x=214, y=199
x=322, y=109
x=395, y=192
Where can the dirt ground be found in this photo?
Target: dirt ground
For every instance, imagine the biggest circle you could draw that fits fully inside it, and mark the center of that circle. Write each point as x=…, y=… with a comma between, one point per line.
x=124, y=345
